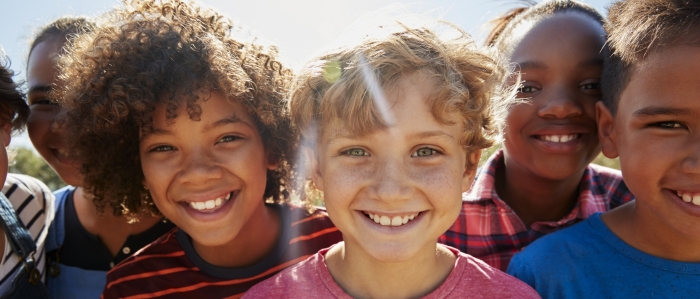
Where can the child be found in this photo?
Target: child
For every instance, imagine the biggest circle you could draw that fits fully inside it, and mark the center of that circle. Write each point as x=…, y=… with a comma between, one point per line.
x=650, y=118
x=82, y=244
x=392, y=167
x=542, y=181
x=171, y=114
x=31, y=200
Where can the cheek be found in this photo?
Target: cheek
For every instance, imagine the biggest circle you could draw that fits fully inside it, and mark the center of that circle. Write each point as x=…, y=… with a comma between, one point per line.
x=38, y=125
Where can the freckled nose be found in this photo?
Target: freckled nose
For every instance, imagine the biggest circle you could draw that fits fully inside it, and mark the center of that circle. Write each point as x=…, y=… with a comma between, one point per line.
x=390, y=182
x=560, y=103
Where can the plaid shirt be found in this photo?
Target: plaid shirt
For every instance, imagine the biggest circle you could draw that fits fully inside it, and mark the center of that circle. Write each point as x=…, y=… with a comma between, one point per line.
x=487, y=228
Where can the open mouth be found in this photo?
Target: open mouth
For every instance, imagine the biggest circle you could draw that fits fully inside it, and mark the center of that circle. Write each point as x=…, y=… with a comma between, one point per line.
x=559, y=138
x=210, y=205
x=395, y=220
x=689, y=197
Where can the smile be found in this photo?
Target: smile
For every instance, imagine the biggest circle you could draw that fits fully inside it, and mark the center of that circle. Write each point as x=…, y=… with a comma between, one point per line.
x=385, y=220
x=689, y=197
x=558, y=138
x=209, y=204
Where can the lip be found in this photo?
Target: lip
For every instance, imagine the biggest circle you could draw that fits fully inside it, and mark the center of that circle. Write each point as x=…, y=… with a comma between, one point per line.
x=686, y=207
x=561, y=129
x=209, y=215
x=390, y=230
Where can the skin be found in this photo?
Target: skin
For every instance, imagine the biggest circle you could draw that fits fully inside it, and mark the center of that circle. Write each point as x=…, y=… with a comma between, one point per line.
x=187, y=161
x=423, y=171
x=47, y=136
x=656, y=134
x=560, y=61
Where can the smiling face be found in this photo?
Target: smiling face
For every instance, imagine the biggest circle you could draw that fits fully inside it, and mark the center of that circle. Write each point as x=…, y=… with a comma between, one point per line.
x=553, y=134
x=656, y=133
x=393, y=192
x=46, y=135
x=209, y=176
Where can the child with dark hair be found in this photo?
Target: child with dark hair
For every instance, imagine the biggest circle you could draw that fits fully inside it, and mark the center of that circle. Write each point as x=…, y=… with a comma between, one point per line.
x=175, y=111
x=542, y=179
x=650, y=118
x=27, y=200
x=85, y=241
x=395, y=125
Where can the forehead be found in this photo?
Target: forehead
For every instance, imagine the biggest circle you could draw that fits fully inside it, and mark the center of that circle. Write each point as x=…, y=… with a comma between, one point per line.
x=41, y=67
x=563, y=31
x=666, y=78
x=409, y=105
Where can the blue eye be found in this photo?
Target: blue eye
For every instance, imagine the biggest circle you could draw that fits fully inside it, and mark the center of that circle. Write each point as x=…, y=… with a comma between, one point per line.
x=356, y=152
x=424, y=152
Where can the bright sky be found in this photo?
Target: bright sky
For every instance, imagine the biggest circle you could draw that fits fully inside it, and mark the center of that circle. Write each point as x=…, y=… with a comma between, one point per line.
x=299, y=28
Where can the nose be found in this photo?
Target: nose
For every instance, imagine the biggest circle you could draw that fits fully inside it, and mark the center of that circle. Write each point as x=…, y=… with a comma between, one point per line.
x=59, y=121
x=560, y=102
x=391, y=182
x=199, y=167
x=691, y=162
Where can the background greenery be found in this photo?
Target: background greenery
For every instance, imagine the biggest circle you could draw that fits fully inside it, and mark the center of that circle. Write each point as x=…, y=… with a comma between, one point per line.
x=26, y=161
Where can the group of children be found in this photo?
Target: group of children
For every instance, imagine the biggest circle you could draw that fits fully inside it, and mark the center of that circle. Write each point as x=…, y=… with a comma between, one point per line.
x=192, y=154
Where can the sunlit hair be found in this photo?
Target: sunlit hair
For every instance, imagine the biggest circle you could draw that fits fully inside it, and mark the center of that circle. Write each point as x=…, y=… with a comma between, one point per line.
x=13, y=107
x=639, y=28
x=64, y=28
x=502, y=28
x=333, y=88
x=167, y=52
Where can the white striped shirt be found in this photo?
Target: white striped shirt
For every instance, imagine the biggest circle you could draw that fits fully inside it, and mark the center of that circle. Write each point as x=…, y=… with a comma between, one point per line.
x=33, y=203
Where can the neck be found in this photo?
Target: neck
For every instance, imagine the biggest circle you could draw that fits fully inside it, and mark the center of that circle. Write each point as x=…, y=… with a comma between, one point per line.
x=642, y=228
x=255, y=241
x=534, y=198
x=362, y=276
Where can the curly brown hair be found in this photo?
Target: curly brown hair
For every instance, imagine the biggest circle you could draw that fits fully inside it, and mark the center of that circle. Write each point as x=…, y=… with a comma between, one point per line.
x=148, y=53
x=13, y=107
x=639, y=28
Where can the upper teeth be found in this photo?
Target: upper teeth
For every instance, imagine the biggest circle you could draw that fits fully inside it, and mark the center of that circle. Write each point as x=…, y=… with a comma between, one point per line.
x=209, y=204
x=391, y=221
x=560, y=138
x=690, y=197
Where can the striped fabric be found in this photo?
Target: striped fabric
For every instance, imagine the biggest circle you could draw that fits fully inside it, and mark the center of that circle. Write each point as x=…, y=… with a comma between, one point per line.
x=33, y=204
x=487, y=228
x=170, y=268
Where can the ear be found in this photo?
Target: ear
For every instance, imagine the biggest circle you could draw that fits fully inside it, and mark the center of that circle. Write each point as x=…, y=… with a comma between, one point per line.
x=314, y=167
x=272, y=161
x=6, y=133
x=606, y=130
x=470, y=172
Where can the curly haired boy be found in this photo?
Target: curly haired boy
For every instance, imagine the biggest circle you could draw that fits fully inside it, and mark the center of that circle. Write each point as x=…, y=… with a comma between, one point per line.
x=395, y=125
x=174, y=112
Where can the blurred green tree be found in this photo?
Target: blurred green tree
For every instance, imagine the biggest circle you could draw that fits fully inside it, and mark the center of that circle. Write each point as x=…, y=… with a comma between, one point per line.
x=26, y=161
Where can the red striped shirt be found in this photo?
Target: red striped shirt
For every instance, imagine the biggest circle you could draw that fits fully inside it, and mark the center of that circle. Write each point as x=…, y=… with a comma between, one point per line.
x=170, y=268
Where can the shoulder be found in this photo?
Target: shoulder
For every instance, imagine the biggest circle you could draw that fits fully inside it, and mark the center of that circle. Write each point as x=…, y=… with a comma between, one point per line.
x=23, y=186
x=300, y=280
x=610, y=184
x=493, y=283
x=164, y=253
x=310, y=225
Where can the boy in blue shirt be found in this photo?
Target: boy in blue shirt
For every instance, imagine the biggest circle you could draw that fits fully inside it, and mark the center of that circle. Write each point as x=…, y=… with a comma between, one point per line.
x=650, y=118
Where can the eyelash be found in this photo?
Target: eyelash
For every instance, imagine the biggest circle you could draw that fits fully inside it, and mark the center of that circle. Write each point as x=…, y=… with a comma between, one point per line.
x=596, y=86
x=432, y=152
x=349, y=152
x=358, y=152
x=669, y=125
x=162, y=148
x=44, y=102
x=229, y=138
x=522, y=89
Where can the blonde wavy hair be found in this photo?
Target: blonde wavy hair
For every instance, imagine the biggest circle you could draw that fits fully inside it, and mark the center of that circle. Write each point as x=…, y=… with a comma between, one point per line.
x=467, y=79
x=152, y=52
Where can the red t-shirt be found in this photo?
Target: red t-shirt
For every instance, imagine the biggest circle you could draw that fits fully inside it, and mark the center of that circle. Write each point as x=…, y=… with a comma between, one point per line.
x=470, y=278
x=171, y=268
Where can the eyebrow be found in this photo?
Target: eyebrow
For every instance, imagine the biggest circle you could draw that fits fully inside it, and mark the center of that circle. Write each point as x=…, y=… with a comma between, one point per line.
x=657, y=111
x=40, y=88
x=532, y=64
x=436, y=133
x=233, y=119
x=591, y=62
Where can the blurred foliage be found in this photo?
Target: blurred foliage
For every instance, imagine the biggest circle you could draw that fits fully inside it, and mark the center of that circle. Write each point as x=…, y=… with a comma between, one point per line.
x=26, y=161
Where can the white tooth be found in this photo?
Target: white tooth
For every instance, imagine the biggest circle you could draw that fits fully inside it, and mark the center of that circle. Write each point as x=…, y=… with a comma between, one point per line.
x=573, y=136
x=201, y=205
x=210, y=204
x=218, y=201
x=404, y=220
x=687, y=198
x=384, y=220
x=564, y=138
x=411, y=217
x=696, y=200
x=371, y=216
x=547, y=138
x=555, y=138
x=396, y=221
x=228, y=196
x=377, y=218
x=193, y=205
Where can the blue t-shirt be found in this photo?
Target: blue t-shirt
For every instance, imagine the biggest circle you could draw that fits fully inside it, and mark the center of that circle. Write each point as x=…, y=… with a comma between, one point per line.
x=588, y=260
